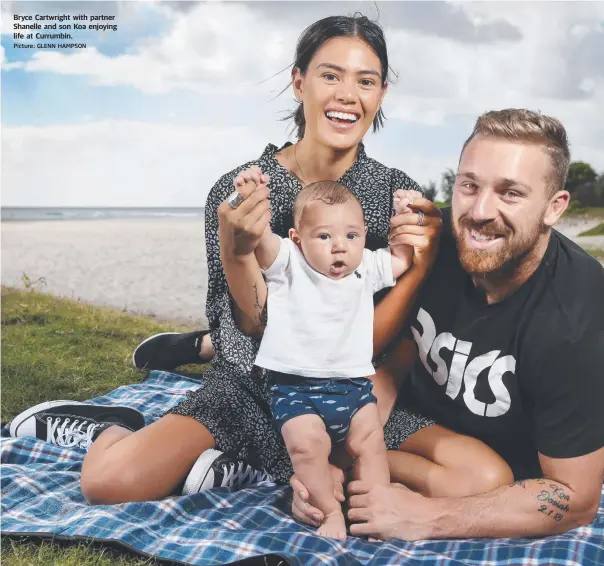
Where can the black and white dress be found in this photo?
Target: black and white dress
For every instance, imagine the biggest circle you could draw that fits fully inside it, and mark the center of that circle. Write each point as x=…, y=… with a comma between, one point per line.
x=233, y=403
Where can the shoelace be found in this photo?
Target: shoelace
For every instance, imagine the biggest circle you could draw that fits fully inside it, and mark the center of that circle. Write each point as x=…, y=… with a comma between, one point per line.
x=62, y=432
x=242, y=475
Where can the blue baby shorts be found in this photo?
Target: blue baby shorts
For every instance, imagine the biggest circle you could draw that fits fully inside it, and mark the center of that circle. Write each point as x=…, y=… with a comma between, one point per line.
x=335, y=400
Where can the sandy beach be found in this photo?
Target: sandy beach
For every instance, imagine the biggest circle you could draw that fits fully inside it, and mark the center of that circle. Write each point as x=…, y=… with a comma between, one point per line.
x=146, y=266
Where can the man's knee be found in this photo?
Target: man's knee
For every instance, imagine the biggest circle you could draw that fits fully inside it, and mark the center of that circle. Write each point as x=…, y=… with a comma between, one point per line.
x=486, y=477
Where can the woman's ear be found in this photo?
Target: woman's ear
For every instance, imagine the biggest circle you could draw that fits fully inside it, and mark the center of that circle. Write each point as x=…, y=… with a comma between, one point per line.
x=384, y=91
x=297, y=83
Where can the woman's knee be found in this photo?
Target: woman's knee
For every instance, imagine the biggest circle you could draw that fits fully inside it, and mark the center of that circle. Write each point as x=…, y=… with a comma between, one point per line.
x=100, y=485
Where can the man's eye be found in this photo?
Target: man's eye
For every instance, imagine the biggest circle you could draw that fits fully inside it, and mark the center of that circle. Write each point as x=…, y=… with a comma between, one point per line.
x=330, y=76
x=511, y=194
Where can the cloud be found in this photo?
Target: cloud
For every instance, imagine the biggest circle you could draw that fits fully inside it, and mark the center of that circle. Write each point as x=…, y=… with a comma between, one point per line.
x=119, y=163
x=440, y=19
x=454, y=61
x=214, y=47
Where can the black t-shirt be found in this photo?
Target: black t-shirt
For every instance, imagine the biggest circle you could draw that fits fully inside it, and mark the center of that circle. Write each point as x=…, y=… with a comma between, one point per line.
x=523, y=375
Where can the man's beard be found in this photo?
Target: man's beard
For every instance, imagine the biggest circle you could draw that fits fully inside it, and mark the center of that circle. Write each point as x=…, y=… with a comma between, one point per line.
x=506, y=259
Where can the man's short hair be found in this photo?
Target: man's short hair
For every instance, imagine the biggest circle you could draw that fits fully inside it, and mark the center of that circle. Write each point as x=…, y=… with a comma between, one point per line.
x=329, y=192
x=518, y=124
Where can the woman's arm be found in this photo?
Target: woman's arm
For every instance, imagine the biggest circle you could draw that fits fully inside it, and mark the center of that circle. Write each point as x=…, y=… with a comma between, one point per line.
x=392, y=311
x=240, y=231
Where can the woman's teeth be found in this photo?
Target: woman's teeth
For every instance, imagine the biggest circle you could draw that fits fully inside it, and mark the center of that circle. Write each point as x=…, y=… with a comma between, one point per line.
x=342, y=116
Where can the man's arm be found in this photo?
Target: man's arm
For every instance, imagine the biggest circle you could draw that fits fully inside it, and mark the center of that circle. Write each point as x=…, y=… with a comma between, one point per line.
x=391, y=312
x=565, y=498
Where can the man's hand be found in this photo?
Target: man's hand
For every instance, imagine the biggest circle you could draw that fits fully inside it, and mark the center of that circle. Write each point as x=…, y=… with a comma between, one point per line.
x=387, y=512
x=418, y=225
x=302, y=510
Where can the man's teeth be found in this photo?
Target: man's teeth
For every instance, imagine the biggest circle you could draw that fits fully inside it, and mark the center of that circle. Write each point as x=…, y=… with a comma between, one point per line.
x=482, y=237
x=342, y=116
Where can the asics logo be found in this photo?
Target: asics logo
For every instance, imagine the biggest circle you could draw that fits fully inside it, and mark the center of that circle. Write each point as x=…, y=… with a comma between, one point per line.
x=464, y=368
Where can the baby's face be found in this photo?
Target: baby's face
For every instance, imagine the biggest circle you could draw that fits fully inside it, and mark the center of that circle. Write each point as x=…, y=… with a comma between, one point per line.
x=331, y=237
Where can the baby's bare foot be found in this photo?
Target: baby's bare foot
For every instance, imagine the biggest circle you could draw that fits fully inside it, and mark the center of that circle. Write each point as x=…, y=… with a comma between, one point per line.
x=333, y=526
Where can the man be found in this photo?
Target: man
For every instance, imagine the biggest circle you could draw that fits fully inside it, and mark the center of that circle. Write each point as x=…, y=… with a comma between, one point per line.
x=509, y=335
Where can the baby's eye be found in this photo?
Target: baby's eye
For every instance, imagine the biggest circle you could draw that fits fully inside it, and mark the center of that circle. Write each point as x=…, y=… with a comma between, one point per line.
x=352, y=236
x=323, y=236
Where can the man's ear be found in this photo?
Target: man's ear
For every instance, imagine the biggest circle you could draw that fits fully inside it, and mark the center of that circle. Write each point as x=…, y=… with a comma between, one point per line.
x=556, y=207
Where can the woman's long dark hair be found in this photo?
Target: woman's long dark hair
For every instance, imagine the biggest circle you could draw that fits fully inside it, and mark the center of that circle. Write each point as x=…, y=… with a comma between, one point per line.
x=315, y=35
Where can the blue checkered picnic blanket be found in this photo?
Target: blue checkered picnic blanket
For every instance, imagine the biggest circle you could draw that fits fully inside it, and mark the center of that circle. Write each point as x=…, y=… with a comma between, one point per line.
x=41, y=495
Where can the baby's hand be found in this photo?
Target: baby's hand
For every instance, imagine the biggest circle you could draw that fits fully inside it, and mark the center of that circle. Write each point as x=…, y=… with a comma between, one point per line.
x=252, y=175
x=403, y=198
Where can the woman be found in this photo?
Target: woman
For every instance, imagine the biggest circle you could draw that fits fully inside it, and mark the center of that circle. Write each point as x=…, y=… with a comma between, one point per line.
x=340, y=80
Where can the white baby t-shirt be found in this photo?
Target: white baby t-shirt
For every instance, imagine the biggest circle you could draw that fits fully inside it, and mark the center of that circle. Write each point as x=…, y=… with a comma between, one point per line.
x=321, y=327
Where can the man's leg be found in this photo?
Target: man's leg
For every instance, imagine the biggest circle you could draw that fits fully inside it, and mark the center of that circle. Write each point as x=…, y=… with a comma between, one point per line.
x=438, y=462
x=169, y=350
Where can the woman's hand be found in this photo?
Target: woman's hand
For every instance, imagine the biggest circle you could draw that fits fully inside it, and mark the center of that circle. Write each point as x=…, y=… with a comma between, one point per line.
x=418, y=225
x=241, y=228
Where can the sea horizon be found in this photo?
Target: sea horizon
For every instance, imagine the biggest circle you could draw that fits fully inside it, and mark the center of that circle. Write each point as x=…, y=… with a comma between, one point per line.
x=55, y=213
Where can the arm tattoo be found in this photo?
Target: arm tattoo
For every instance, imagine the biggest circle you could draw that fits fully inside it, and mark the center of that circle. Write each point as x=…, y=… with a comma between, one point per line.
x=260, y=311
x=554, y=502
x=518, y=482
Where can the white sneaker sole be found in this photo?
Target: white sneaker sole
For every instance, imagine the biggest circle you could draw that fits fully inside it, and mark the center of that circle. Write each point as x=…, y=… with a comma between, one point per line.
x=147, y=340
x=22, y=417
x=195, y=481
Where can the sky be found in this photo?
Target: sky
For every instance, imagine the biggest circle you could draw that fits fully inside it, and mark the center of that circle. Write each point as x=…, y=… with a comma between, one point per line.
x=183, y=92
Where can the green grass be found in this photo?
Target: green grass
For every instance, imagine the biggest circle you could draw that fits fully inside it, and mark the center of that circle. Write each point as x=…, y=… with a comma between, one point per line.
x=595, y=231
x=28, y=553
x=60, y=349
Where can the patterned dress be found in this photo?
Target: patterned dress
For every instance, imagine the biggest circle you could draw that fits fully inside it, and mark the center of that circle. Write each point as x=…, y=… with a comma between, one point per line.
x=233, y=404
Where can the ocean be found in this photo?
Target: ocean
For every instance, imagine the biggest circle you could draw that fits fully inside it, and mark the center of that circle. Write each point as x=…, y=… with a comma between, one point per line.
x=74, y=213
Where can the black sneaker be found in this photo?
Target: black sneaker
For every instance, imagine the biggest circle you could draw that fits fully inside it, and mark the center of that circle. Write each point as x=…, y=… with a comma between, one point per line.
x=219, y=469
x=71, y=423
x=169, y=350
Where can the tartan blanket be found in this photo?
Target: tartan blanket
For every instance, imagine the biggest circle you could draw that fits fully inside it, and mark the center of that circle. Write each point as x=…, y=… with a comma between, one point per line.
x=41, y=496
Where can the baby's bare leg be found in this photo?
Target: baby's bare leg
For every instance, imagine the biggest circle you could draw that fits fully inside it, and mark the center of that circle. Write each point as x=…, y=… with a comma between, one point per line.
x=366, y=442
x=309, y=445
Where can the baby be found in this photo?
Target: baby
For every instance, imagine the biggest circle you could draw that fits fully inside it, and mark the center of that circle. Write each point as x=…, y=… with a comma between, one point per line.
x=318, y=341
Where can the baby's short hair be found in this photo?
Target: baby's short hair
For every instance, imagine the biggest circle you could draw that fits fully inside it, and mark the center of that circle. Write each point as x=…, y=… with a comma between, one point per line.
x=329, y=192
